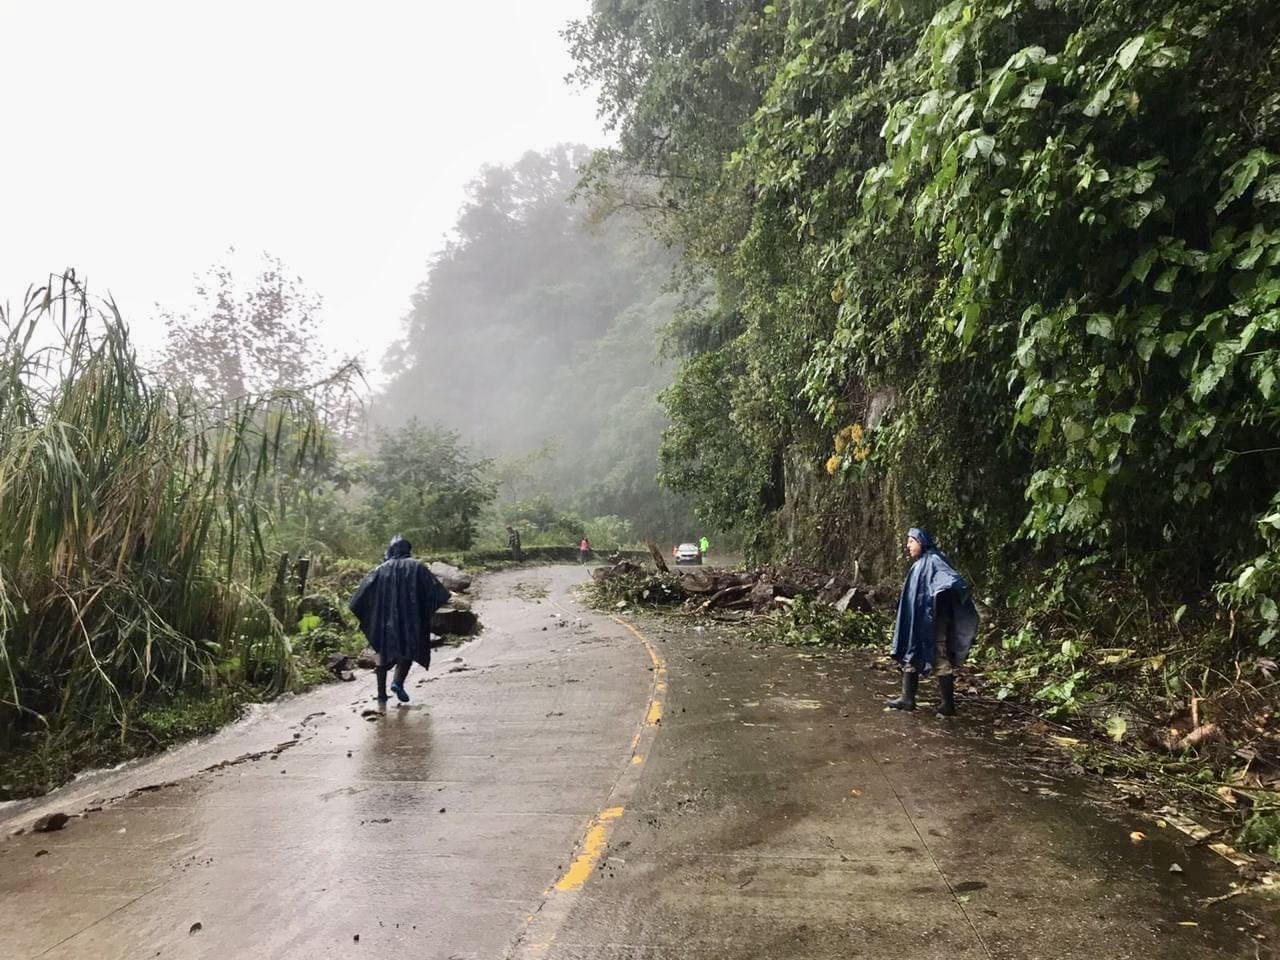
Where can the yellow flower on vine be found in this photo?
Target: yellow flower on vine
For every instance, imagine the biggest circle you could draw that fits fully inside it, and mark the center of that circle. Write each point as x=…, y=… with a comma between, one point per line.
x=833, y=464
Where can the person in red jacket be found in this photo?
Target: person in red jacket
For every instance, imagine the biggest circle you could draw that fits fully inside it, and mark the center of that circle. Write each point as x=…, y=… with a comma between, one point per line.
x=584, y=549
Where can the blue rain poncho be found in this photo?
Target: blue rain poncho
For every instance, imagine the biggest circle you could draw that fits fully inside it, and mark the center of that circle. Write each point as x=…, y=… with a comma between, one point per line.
x=933, y=587
x=394, y=605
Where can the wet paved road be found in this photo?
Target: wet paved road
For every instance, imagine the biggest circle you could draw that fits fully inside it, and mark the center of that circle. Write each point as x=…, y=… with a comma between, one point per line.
x=586, y=791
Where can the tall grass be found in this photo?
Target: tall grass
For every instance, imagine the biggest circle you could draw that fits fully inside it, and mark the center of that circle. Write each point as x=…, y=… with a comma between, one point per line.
x=133, y=524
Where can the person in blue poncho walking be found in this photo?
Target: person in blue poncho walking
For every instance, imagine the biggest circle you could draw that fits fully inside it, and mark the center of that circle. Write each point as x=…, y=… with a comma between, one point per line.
x=394, y=605
x=936, y=624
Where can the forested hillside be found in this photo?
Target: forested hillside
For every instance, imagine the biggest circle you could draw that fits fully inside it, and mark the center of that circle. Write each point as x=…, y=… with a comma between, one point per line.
x=1007, y=268
x=535, y=335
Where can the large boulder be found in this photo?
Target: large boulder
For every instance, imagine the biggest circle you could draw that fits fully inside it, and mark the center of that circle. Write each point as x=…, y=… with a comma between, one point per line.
x=454, y=580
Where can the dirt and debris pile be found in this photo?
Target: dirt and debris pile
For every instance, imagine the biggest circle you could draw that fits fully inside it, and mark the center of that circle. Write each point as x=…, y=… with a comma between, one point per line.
x=770, y=588
x=624, y=583
x=707, y=590
x=617, y=567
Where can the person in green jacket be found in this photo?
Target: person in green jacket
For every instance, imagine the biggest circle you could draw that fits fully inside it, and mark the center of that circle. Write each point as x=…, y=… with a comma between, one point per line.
x=704, y=545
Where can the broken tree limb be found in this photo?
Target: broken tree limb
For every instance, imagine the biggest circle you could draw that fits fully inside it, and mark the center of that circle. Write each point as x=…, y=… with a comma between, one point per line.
x=1198, y=736
x=276, y=596
x=658, y=560
x=300, y=571
x=722, y=597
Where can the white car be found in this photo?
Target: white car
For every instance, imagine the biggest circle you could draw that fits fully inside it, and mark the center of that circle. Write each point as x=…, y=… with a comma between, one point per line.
x=688, y=553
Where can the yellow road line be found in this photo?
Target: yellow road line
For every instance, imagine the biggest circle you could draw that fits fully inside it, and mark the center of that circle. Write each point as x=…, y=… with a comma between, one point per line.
x=543, y=925
x=592, y=846
x=654, y=716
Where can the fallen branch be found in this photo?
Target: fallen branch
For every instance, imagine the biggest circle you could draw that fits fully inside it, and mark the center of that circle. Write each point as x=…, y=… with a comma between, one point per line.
x=1198, y=736
x=658, y=560
x=720, y=597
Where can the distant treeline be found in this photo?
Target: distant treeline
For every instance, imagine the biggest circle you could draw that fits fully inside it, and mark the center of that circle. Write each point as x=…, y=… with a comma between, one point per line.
x=535, y=335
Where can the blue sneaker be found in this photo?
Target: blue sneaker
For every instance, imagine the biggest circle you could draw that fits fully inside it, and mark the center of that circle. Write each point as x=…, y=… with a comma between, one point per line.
x=398, y=690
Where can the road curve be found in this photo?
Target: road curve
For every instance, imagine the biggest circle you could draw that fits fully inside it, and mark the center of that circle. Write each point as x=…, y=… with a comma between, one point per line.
x=576, y=787
x=459, y=826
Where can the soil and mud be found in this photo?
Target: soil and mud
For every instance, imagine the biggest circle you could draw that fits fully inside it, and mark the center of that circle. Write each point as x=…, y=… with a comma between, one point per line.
x=570, y=788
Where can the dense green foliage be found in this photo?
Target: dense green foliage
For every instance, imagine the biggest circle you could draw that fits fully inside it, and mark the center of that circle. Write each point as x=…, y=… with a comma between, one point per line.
x=256, y=333
x=425, y=485
x=134, y=527
x=808, y=623
x=1008, y=268
x=534, y=336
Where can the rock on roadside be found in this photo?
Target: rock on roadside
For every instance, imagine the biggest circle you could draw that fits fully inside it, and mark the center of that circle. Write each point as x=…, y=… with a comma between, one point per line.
x=454, y=580
x=455, y=621
x=50, y=822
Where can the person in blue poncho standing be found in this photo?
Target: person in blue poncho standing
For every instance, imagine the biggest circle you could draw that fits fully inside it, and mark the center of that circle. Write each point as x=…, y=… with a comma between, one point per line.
x=394, y=605
x=936, y=624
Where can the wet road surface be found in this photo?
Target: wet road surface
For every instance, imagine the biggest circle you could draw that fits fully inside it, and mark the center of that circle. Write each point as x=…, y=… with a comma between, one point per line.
x=575, y=788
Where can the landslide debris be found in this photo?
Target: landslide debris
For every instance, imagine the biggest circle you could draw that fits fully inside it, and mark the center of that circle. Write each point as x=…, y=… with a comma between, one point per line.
x=710, y=591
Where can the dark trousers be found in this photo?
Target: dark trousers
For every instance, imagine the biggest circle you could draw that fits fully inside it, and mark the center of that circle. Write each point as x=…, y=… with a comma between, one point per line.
x=402, y=671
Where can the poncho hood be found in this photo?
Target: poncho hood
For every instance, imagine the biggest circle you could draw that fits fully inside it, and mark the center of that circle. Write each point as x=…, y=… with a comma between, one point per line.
x=397, y=548
x=932, y=587
x=922, y=537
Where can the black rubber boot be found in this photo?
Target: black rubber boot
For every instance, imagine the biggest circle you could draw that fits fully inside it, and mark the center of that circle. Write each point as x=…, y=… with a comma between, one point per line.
x=382, y=684
x=908, y=699
x=947, y=689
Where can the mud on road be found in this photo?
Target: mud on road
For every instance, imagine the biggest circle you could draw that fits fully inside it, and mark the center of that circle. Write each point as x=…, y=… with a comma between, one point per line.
x=571, y=787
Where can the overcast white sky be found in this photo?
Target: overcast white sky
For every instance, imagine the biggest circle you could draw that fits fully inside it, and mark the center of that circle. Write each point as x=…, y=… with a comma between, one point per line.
x=144, y=138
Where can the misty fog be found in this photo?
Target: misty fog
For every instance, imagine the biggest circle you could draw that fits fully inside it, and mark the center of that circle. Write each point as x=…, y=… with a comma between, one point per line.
x=535, y=334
